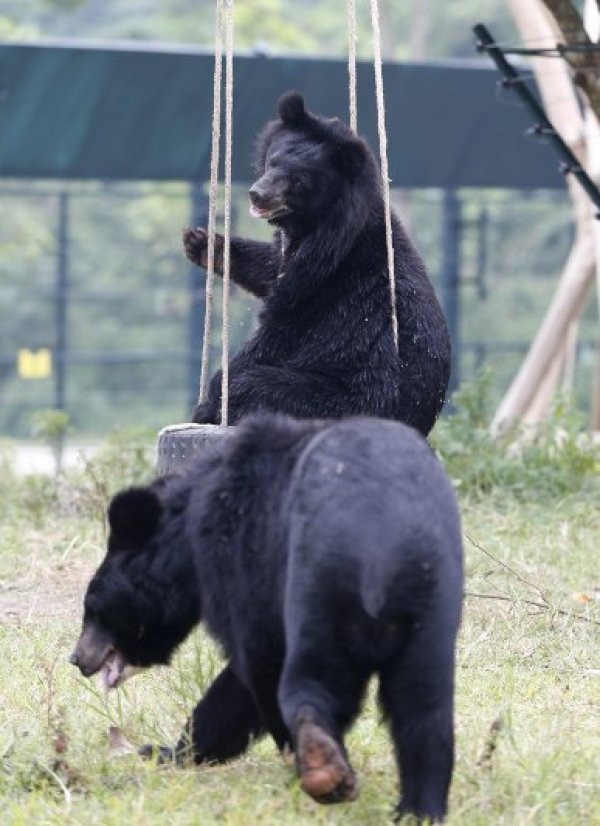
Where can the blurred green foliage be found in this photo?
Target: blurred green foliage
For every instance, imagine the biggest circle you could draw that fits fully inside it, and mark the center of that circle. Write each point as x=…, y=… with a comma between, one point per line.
x=51, y=426
x=413, y=29
x=556, y=461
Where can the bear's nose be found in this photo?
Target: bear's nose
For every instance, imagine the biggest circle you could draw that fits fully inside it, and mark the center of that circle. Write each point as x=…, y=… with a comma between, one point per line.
x=75, y=660
x=257, y=197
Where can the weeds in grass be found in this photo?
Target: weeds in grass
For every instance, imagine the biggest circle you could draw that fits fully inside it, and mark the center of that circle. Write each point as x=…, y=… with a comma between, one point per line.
x=52, y=426
x=559, y=459
x=127, y=458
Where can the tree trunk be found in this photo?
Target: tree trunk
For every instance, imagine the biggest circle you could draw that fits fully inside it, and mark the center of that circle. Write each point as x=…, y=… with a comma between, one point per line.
x=567, y=304
x=529, y=395
x=552, y=77
x=585, y=64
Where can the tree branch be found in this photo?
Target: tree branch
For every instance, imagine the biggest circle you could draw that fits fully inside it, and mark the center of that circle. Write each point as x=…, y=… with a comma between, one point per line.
x=543, y=603
x=542, y=606
x=511, y=571
x=585, y=64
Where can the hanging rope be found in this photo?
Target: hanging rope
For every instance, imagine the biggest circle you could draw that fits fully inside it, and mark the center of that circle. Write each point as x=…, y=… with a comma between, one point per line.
x=352, y=63
x=212, y=202
x=384, y=161
x=223, y=21
x=227, y=209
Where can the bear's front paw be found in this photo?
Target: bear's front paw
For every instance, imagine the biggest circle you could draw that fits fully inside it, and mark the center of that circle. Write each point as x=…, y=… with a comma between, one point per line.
x=161, y=754
x=195, y=242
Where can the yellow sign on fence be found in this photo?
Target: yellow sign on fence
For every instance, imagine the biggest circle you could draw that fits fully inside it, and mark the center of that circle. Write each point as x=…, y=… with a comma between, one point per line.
x=34, y=364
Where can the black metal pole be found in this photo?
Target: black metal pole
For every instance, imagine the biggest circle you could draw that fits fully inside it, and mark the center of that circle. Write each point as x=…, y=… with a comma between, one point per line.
x=481, y=261
x=450, y=278
x=513, y=80
x=61, y=302
x=196, y=286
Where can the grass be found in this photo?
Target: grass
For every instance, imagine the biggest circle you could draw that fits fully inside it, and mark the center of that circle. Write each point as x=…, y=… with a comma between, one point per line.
x=528, y=675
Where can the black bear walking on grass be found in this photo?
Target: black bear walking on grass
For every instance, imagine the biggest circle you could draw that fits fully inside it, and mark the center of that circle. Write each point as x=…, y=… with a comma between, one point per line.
x=317, y=554
x=324, y=345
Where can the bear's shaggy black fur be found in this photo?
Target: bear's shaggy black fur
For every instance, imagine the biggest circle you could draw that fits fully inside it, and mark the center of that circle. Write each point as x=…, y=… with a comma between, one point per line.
x=324, y=344
x=317, y=554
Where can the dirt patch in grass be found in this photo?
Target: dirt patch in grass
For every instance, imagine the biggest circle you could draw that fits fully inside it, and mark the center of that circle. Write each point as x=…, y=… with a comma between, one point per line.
x=59, y=594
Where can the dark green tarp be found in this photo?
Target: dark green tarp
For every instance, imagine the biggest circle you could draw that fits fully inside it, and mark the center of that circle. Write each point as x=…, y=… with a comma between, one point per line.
x=125, y=112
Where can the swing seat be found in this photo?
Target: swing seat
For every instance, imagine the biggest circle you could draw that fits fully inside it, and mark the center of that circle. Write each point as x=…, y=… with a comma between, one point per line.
x=179, y=442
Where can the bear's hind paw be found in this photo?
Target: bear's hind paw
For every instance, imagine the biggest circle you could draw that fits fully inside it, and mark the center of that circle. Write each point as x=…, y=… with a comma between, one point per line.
x=323, y=769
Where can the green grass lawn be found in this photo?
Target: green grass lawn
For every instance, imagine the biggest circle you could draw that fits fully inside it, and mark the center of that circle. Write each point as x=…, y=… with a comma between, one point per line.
x=528, y=676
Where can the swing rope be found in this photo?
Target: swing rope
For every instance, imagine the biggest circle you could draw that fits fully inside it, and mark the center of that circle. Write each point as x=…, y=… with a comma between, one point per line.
x=352, y=63
x=212, y=202
x=385, y=178
x=227, y=210
x=223, y=22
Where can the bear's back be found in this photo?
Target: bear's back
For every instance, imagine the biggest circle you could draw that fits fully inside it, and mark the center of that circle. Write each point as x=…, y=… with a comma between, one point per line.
x=372, y=512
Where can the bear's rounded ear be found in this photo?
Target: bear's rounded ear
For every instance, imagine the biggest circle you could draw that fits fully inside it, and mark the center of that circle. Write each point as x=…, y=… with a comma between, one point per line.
x=291, y=108
x=350, y=157
x=133, y=517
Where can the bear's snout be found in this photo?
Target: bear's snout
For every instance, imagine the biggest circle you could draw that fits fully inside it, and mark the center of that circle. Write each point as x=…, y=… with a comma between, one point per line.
x=93, y=648
x=77, y=659
x=258, y=197
x=267, y=199
x=74, y=657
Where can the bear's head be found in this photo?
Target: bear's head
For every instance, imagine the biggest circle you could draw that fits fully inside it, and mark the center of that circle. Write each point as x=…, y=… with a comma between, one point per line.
x=142, y=601
x=306, y=165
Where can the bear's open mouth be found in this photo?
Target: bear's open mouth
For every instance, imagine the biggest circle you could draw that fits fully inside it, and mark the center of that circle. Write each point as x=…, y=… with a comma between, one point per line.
x=115, y=670
x=268, y=213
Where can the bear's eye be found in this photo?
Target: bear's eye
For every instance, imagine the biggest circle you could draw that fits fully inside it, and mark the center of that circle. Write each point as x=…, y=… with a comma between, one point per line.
x=297, y=183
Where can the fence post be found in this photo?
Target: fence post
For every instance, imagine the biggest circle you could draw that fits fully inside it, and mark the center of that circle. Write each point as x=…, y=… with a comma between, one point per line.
x=61, y=302
x=450, y=278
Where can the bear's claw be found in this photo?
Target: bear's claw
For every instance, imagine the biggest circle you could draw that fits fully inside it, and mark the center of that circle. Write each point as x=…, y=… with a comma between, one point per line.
x=195, y=243
x=162, y=754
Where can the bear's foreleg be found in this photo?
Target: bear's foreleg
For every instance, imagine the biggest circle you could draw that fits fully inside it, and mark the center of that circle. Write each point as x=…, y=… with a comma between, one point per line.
x=223, y=723
x=254, y=265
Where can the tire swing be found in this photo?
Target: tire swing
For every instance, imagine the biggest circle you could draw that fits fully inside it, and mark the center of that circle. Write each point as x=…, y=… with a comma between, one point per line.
x=178, y=443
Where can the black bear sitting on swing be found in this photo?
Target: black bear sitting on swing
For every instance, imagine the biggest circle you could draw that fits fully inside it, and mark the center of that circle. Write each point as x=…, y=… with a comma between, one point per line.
x=324, y=346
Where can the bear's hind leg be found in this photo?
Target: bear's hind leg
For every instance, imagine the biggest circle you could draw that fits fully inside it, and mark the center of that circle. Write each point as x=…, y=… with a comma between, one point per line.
x=320, y=695
x=321, y=761
x=416, y=693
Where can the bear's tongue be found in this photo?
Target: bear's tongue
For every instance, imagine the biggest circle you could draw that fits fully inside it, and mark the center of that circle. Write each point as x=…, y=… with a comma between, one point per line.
x=257, y=212
x=112, y=670
x=268, y=212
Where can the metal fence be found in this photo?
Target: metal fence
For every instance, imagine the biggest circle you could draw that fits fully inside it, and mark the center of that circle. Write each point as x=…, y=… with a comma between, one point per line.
x=101, y=316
